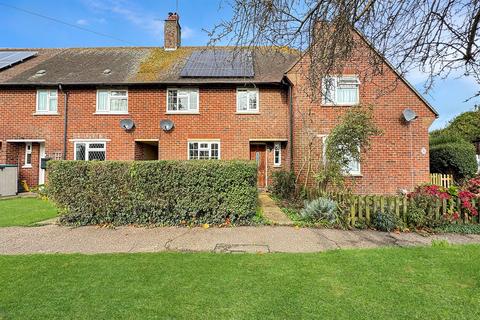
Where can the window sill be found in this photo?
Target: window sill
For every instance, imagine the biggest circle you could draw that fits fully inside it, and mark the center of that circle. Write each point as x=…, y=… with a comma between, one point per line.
x=247, y=112
x=355, y=175
x=46, y=114
x=111, y=113
x=277, y=165
x=27, y=166
x=340, y=104
x=180, y=112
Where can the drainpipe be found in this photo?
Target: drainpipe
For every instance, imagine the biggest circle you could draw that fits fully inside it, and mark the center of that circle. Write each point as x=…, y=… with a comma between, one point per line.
x=290, y=110
x=65, y=120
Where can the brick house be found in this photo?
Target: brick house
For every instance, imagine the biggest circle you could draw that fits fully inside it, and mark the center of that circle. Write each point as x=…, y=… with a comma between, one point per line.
x=213, y=104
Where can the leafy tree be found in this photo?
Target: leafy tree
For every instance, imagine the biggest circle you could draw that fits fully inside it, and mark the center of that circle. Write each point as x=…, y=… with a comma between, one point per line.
x=467, y=125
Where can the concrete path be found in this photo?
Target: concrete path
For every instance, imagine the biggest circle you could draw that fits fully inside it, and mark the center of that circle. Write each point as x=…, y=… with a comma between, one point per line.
x=57, y=239
x=272, y=212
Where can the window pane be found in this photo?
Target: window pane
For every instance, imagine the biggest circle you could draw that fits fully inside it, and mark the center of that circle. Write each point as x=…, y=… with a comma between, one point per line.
x=252, y=101
x=96, y=155
x=194, y=100
x=42, y=101
x=172, y=100
x=193, y=150
x=328, y=90
x=354, y=166
x=97, y=145
x=118, y=105
x=214, y=151
x=80, y=151
x=183, y=102
x=121, y=93
x=242, y=100
x=102, y=100
x=53, y=104
x=347, y=94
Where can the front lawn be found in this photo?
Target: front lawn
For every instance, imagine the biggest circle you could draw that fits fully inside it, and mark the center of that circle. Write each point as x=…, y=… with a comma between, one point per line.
x=25, y=211
x=390, y=283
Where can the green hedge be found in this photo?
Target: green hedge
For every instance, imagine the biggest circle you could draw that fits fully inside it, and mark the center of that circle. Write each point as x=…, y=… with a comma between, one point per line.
x=153, y=192
x=455, y=157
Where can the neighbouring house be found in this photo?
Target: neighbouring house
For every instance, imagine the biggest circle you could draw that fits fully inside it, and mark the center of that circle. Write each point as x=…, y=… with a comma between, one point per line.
x=174, y=102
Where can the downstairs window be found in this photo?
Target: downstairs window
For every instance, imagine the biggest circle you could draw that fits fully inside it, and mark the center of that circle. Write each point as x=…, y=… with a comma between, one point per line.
x=88, y=151
x=203, y=150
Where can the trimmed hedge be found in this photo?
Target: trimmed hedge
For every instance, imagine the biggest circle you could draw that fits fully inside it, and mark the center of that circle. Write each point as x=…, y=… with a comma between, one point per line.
x=453, y=157
x=153, y=192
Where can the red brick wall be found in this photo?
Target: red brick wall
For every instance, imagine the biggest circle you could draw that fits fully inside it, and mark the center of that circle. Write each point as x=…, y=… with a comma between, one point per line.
x=147, y=106
x=395, y=160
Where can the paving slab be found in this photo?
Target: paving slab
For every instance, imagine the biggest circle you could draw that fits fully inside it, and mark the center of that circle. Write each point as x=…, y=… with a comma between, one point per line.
x=264, y=239
x=272, y=212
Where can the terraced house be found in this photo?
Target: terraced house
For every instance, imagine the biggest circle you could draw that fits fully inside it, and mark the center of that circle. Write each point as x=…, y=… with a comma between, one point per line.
x=174, y=102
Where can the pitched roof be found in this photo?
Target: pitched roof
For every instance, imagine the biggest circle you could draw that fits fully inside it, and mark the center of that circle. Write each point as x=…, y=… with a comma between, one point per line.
x=134, y=65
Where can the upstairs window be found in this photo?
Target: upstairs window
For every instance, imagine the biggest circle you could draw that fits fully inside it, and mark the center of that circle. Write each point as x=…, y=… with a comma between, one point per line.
x=112, y=101
x=203, y=150
x=182, y=100
x=92, y=150
x=343, y=91
x=247, y=100
x=47, y=101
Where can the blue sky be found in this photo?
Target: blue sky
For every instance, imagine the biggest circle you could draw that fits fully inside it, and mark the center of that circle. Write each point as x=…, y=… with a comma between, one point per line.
x=140, y=23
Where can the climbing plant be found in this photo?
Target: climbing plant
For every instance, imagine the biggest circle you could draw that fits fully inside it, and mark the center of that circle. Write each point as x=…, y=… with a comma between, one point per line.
x=346, y=143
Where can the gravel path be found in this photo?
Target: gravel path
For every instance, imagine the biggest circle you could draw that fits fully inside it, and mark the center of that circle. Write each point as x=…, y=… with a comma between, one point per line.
x=58, y=239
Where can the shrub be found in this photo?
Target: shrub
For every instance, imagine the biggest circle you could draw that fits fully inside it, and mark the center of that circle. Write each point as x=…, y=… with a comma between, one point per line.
x=153, y=192
x=385, y=221
x=416, y=217
x=283, y=184
x=452, y=155
x=321, y=209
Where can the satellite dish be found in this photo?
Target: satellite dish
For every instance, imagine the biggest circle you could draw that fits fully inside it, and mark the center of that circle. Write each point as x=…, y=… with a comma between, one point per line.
x=166, y=125
x=127, y=124
x=409, y=115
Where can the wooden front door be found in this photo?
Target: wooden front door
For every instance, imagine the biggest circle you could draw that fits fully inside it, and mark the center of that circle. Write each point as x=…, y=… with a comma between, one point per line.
x=258, y=153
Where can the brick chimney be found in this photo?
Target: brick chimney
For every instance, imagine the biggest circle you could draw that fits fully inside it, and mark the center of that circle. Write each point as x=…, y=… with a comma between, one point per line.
x=172, y=32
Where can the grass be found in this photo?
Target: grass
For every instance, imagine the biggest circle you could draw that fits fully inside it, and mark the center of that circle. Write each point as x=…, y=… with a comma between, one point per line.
x=25, y=211
x=391, y=283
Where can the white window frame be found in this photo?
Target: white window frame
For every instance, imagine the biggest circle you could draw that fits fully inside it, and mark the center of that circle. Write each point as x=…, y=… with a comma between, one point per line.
x=250, y=91
x=28, y=151
x=50, y=96
x=190, y=110
x=209, y=142
x=109, y=98
x=324, y=151
x=88, y=149
x=335, y=81
x=277, y=147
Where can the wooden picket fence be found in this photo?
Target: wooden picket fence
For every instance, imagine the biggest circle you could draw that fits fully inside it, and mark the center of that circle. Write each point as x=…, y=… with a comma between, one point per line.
x=442, y=180
x=362, y=208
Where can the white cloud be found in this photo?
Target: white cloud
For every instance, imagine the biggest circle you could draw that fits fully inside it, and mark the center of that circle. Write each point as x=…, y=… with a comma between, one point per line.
x=187, y=33
x=82, y=22
x=130, y=12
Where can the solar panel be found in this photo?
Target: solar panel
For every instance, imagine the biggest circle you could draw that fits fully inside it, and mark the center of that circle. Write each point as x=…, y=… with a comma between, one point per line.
x=8, y=58
x=216, y=63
